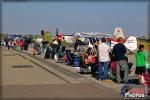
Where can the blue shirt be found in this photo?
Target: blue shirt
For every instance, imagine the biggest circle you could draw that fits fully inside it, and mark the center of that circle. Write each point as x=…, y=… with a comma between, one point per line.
x=119, y=51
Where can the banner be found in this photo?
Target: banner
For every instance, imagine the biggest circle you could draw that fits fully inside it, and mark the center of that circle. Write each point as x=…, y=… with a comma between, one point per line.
x=47, y=36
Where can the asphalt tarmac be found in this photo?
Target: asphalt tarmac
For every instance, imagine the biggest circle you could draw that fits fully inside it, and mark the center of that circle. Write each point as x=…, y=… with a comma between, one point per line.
x=25, y=77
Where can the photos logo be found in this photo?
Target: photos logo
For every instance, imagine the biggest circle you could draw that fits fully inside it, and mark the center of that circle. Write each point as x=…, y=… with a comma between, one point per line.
x=127, y=91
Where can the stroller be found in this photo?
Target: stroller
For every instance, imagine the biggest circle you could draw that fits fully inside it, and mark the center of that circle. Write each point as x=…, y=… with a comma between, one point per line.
x=69, y=57
x=36, y=49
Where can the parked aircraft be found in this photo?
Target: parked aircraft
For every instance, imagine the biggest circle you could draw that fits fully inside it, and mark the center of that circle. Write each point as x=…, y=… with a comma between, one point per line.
x=130, y=42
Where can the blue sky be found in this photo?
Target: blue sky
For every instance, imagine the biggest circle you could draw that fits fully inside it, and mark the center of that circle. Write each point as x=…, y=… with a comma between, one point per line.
x=70, y=17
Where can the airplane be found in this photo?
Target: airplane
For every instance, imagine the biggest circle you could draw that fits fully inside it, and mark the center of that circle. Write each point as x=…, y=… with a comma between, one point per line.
x=130, y=42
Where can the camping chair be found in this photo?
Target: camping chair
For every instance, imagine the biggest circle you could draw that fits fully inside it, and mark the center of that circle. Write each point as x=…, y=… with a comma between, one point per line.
x=69, y=57
x=87, y=65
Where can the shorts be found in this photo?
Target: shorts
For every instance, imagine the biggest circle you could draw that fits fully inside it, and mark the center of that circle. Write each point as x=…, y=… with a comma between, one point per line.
x=140, y=70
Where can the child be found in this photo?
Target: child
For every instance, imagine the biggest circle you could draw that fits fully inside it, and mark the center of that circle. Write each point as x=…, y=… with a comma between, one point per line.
x=140, y=62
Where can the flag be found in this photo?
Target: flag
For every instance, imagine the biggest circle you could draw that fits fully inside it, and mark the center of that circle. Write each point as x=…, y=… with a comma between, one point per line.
x=57, y=32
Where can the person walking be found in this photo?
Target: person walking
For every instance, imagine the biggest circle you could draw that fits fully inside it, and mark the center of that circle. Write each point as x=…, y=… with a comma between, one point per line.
x=119, y=51
x=103, y=52
x=140, y=62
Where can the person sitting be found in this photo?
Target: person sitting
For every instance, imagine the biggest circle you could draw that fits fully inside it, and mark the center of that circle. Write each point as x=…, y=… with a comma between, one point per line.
x=86, y=59
x=89, y=51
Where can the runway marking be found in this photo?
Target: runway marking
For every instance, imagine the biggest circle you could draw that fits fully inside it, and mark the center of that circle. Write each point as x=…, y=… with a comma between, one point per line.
x=60, y=77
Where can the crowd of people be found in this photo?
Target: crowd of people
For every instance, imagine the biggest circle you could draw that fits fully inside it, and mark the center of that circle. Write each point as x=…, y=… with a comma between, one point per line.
x=56, y=49
x=18, y=43
x=100, y=56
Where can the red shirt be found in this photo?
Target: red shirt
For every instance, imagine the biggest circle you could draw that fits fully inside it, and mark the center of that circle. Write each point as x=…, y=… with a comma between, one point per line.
x=21, y=43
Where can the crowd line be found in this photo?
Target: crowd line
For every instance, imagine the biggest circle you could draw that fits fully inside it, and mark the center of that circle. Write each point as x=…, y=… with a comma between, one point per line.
x=102, y=61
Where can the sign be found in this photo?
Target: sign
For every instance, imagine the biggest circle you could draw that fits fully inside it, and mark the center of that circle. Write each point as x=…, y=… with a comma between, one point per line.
x=47, y=36
x=131, y=43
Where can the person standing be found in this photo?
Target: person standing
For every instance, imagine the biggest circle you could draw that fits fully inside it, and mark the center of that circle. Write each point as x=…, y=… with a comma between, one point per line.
x=8, y=45
x=21, y=44
x=96, y=44
x=140, y=62
x=54, y=48
x=108, y=42
x=119, y=51
x=103, y=52
x=26, y=44
x=6, y=41
x=63, y=44
x=17, y=43
x=47, y=53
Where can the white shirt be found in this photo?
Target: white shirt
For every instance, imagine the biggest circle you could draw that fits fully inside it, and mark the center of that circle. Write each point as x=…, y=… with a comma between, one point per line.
x=103, y=51
x=9, y=43
x=55, y=42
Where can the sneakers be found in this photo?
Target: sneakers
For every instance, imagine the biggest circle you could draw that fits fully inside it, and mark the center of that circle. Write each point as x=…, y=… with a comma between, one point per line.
x=107, y=80
x=99, y=79
x=118, y=82
x=125, y=82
